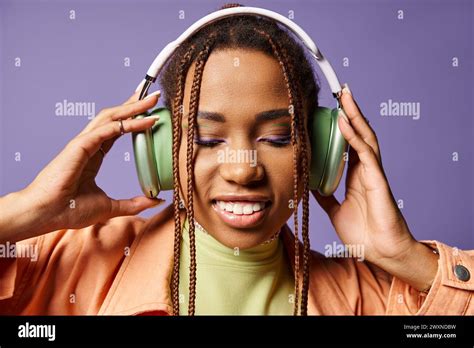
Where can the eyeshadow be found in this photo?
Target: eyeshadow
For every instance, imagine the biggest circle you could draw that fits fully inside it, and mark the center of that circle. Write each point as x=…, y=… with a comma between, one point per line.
x=281, y=124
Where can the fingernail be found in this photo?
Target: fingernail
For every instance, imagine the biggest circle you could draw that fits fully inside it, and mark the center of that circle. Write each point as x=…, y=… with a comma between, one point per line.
x=156, y=118
x=346, y=89
x=158, y=93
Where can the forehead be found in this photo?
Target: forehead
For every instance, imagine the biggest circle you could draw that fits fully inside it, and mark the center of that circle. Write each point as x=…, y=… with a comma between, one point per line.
x=240, y=79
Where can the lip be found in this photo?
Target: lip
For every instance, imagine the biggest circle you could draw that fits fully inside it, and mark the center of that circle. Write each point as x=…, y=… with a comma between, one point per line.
x=237, y=198
x=241, y=221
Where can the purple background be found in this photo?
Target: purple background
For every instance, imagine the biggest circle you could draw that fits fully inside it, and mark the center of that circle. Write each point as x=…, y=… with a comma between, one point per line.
x=407, y=60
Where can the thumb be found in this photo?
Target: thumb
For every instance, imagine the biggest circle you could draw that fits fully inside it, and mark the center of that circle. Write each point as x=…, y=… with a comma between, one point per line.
x=133, y=206
x=329, y=203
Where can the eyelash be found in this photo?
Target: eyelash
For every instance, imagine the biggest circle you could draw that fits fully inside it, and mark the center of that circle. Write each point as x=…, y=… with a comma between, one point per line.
x=277, y=142
x=207, y=143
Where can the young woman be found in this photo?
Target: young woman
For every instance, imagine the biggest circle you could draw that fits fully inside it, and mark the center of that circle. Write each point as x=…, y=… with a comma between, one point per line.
x=242, y=83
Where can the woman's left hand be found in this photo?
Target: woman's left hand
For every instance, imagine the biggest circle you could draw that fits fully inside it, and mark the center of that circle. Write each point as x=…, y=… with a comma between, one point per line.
x=369, y=215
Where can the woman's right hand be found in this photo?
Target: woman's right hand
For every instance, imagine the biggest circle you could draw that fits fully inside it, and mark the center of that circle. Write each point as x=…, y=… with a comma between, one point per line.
x=64, y=194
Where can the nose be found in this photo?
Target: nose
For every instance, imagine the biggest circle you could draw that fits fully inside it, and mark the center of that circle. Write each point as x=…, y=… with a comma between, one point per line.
x=240, y=170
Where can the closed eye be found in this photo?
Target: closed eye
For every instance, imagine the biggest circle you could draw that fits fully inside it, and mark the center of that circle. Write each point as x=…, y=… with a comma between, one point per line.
x=207, y=143
x=273, y=141
x=277, y=141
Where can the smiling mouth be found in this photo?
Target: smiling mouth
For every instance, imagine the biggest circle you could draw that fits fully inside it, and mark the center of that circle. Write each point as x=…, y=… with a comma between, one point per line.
x=241, y=214
x=241, y=207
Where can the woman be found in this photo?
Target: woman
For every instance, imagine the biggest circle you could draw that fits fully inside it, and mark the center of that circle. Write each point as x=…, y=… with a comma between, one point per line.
x=240, y=84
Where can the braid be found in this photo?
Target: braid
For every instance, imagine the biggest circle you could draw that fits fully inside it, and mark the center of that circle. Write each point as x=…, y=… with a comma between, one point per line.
x=296, y=118
x=305, y=164
x=240, y=32
x=193, y=109
x=177, y=114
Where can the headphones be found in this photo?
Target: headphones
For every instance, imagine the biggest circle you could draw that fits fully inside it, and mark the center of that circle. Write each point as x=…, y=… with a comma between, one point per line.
x=153, y=147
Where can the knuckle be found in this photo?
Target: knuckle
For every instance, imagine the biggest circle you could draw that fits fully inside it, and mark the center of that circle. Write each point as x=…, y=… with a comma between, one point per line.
x=371, y=139
x=365, y=148
x=106, y=113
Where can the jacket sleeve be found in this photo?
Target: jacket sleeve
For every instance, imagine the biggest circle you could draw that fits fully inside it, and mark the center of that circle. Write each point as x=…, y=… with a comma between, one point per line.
x=361, y=288
x=16, y=263
x=62, y=272
x=451, y=292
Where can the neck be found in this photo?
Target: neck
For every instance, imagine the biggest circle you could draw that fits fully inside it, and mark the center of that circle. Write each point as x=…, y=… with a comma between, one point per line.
x=207, y=243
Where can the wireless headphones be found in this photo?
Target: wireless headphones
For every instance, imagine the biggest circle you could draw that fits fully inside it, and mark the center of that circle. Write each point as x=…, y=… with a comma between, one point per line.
x=153, y=147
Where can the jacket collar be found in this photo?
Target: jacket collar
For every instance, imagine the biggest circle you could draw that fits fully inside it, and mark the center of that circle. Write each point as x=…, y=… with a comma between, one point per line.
x=142, y=283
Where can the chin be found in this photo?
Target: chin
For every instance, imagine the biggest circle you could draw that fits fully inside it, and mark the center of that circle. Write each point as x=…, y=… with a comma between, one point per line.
x=233, y=238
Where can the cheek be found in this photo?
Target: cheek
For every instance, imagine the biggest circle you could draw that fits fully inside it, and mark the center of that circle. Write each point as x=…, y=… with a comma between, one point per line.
x=278, y=177
x=281, y=172
x=278, y=164
x=204, y=169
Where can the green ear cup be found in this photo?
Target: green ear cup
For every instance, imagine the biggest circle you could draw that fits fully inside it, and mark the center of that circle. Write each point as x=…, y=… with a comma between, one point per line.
x=163, y=147
x=327, y=150
x=154, y=160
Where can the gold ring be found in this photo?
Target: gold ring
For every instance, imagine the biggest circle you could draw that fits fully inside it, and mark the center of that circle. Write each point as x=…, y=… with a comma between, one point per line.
x=122, y=130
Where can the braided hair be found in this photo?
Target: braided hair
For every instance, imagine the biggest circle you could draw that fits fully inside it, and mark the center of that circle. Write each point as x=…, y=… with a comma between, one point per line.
x=253, y=33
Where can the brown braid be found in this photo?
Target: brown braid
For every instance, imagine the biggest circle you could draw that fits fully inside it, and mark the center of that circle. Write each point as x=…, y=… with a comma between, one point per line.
x=193, y=109
x=295, y=89
x=296, y=115
x=238, y=32
x=302, y=129
x=177, y=115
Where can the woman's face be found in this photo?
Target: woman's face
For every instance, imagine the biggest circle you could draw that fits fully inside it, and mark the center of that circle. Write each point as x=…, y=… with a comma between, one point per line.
x=247, y=167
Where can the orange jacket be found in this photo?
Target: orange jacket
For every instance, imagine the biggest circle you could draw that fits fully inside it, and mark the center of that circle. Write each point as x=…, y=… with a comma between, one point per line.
x=123, y=267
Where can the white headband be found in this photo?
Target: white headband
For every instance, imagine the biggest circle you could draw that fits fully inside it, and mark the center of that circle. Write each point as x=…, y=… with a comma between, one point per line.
x=166, y=53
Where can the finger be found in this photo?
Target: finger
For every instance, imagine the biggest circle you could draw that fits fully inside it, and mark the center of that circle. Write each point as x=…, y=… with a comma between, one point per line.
x=92, y=141
x=136, y=95
x=329, y=203
x=365, y=152
x=358, y=121
x=134, y=108
x=133, y=206
x=127, y=110
x=133, y=98
x=353, y=158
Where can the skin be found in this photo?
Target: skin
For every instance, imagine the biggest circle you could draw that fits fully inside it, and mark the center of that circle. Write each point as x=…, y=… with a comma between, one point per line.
x=239, y=94
x=45, y=204
x=368, y=215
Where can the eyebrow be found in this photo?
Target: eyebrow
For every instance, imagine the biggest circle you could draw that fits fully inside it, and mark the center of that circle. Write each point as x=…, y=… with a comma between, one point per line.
x=262, y=116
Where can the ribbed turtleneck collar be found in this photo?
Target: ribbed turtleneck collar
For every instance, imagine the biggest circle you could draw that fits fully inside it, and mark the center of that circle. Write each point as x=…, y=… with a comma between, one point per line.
x=211, y=250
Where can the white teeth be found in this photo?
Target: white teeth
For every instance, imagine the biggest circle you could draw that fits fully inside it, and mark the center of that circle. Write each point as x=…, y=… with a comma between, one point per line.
x=248, y=209
x=240, y=208
x=237, y=209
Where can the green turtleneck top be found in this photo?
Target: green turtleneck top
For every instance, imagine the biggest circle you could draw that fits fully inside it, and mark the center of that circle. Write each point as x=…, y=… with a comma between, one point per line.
x=254, y=281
